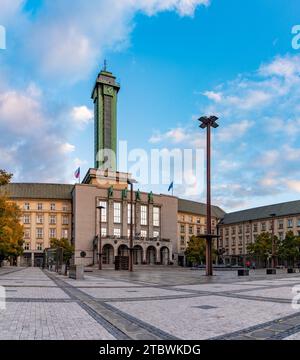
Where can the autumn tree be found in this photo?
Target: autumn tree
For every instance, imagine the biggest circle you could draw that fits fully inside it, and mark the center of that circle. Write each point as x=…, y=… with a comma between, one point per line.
x=11, y=231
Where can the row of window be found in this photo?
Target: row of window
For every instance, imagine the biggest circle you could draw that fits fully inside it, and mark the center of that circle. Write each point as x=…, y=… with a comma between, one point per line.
x=117, y=233
x=199, y=230
x=38, y=246
x=191, y=219
x=39, y=233
x=117, y=214
x=40, y=219
x=263, y=226
x=41, y=206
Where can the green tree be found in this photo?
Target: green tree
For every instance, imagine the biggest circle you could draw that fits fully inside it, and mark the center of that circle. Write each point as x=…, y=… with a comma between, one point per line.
x=11, y=231
x=289, y=248
x=63, y=243
x=262, y=247
x=196, y=251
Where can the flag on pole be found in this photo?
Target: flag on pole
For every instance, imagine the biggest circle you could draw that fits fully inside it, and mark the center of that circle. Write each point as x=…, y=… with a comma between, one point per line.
x=171, y=187
x=77, y=173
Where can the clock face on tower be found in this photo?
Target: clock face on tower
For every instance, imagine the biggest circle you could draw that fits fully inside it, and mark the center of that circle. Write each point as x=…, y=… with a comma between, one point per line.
x=108, y=90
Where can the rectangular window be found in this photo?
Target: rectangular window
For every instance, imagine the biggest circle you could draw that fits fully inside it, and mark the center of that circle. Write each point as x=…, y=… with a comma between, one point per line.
x=65, y=207
x=117, y=213
x=117, y=232
x=280, y=224
x=129, y=213
x=52, y=206
x=26, y=233
x=280, y=235
x=156, y=216
x=290, y=223
x=26, y=219
x=27, y=246
x=233, y=230
x=182, y=228
x=198, y=230
x=191, y=230
x=233, y=241
x=39, y=219
x=103, y=231
x=263, y=226
x=39, y=233
x=227, y=231
x=298, y=222
x=64, y=233
x=255, y=228
x=227, y=242
x=144, y=215
x=247, y=229
x=182, y=241
x=40, y=206
x=39, y=247
x=65, y=220
x=52, y=220
x=103, y=211
x=26, y=206
x=156, y=234
x=52, y=233
x=191, y=219
x=240, y=229
x=182, y=217
x=144, y=234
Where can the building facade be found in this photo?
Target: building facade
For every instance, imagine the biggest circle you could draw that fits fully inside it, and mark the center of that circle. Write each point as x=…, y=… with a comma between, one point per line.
x=46, y=214
x=241, y=228
x=154, y=225
x=191, y=221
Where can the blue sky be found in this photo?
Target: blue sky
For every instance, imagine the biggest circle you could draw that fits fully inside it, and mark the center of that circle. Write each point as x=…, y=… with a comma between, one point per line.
x=175, y=60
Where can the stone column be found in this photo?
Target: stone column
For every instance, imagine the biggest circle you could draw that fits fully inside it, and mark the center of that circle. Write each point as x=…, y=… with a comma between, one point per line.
x=158, y=259
x=137, y=217
x=110, y=219
x=32, y=259
x=124, y=218
x=150, y=220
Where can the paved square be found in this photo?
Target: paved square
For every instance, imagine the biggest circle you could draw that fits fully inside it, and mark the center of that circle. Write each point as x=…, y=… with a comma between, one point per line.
x=150, y=303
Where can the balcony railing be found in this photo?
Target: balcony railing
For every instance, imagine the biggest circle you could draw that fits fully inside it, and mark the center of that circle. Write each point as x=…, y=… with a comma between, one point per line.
x=135, y=238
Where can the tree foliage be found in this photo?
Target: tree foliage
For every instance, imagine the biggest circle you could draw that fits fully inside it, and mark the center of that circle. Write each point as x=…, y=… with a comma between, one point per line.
x=11, y=231
x=262, y=247
x=289, y=248
x=196, y=250
x=63, y=243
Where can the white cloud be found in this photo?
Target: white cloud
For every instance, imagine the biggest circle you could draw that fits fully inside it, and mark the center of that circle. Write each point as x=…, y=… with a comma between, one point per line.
x=212, y=95
x=67, y=148
x=176, y=135
x=234, y=131
x=68, y=41
x=82, y=115
x=294, y=185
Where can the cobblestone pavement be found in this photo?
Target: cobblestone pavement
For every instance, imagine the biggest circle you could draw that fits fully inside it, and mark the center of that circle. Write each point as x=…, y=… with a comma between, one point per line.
x=150, y=303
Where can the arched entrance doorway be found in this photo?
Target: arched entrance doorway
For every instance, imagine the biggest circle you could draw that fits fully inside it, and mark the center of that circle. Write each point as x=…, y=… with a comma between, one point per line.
x=137, y=255
x=164, y=255
x=108, y=254
x=123, y=250
x=151, y=255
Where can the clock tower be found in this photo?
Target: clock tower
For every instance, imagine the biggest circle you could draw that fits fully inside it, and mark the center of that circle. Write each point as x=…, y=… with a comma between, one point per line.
x=104, y=96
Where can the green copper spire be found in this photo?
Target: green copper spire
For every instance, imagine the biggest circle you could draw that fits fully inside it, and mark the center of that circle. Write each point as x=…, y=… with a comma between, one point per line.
x=104, y=96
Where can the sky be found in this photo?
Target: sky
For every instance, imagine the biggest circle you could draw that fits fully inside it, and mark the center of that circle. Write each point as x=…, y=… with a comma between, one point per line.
x=175, y=60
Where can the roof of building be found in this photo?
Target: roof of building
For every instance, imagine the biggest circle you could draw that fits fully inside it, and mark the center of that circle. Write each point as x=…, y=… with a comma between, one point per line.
x=263, y=212
x=37, y=191
x=193, y=207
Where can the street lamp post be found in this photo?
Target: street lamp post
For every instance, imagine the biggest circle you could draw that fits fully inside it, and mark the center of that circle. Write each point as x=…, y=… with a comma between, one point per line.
x=208, y=122
x=274, y=260
x=100, y=238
